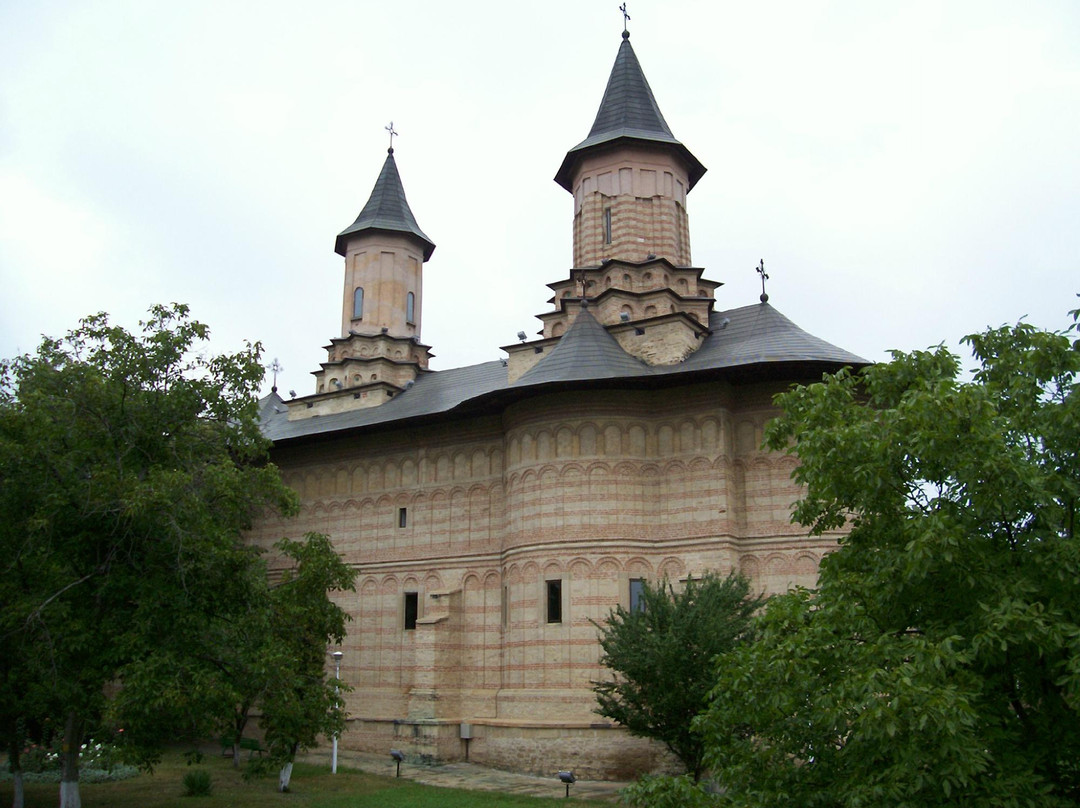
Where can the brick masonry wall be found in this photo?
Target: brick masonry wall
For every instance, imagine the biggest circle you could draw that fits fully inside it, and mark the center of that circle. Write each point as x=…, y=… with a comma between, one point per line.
x=588, y=489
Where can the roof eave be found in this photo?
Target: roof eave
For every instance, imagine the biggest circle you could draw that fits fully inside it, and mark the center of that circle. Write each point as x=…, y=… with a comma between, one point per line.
x=495, y=401
x=341, y=243
x=565, y=175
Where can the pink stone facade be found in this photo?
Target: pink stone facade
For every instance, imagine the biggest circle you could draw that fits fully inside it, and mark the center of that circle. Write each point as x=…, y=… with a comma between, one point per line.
x=630, y=203
x=590, y=489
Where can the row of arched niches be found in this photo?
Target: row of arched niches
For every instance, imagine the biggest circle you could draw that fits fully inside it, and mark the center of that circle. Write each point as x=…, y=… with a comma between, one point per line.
x=756, y=566
x=375, y=471
x=560, y=484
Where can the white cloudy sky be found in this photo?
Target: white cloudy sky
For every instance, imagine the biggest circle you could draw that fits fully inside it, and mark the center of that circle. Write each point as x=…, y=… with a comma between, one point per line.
x=909, y=171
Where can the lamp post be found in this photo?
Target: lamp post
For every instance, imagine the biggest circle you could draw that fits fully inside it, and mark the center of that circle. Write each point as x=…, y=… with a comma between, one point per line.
x=568, y=778
x=337, y=677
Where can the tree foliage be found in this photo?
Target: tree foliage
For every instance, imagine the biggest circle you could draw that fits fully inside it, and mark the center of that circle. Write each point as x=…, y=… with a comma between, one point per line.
x=938, y=662
x=298, y=702
x=130, y=465
x=661, y=655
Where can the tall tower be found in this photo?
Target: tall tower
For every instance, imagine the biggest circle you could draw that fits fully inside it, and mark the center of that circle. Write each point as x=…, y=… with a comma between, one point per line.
x=630, y=176
x=379, y=351
x=383, y=251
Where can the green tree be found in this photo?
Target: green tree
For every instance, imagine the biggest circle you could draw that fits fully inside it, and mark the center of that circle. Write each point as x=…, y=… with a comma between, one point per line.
x=662, y=653
x=938, y=662
x=265, y=657
x=130, y=466
x=299, y=702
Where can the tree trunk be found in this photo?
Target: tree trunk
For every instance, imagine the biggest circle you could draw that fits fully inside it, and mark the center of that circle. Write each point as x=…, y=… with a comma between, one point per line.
x=69, y=762
x=284, y=776
x=17, y=799
x=239, y=723
x=15, y=766
x=286, y=770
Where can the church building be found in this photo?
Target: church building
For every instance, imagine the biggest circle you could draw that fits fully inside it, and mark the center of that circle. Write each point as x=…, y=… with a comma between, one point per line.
x=493, y=512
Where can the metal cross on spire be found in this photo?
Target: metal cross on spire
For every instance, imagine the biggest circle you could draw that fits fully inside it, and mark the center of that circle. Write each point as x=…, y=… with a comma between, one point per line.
x=760, y=269
x=275, y=368
x=625, y=18
x=392, y=132
x=582, y=281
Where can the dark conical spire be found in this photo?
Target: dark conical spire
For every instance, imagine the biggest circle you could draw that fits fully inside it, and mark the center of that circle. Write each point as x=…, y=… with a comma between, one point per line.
x=386, y=209
x=628, y=104
x=628, y=111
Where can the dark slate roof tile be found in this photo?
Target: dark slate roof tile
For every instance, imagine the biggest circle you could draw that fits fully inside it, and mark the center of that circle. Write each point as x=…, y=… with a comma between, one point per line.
x=586, y=351
x=386, y=209
x=628, y=102
x=432, y=393
x=752, y=338
x=628, y=110
x=757, y=335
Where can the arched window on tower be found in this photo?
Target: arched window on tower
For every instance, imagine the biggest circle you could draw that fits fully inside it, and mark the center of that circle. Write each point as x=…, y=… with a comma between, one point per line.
x=358, y=303
x=410, y=307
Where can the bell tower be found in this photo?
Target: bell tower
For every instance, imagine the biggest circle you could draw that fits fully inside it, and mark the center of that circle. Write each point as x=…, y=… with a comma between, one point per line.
x=630, y=176
x=632, y=268
x=379, y=352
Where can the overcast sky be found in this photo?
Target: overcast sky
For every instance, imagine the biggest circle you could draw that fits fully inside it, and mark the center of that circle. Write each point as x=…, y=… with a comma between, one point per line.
x=909, y=171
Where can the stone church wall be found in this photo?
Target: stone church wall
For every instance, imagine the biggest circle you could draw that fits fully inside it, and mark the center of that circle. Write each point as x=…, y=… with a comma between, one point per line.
x=591, y=489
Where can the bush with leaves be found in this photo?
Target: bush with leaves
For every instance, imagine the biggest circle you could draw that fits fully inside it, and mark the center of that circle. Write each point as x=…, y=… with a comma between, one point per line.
x=938, y=662
x=661, y=656
x=198, y=783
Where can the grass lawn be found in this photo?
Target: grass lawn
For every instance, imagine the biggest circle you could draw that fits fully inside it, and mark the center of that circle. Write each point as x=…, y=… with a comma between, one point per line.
x=311, y=787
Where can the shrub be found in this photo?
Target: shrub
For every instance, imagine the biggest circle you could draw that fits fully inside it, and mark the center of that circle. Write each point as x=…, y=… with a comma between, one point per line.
x=197, y=783
x=117, y=772
x=37, y=758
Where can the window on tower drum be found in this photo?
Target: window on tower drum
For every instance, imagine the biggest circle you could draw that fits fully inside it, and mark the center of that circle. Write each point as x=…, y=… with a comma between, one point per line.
x=412, y=610
x=554, y=601
x=607, y=225
x=358, y=303
x=410, y=307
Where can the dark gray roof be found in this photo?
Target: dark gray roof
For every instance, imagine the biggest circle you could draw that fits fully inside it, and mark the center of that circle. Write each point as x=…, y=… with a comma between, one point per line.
x=751, y=341
x=271, y=405
x=759, y=335
x=386, y=209
x=628, y=103
x=628, y=111
x=432, y=394
x=586, y=351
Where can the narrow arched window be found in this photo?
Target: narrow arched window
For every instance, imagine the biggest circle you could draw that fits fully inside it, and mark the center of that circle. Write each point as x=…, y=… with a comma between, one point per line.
x=410, y=307
x=358, y=303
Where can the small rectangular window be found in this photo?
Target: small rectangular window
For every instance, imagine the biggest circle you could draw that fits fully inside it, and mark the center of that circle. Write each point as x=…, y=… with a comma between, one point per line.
x=636, y=603
x=402, y=517
x=412, y=609
x=554, y=601
x=607, y=225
